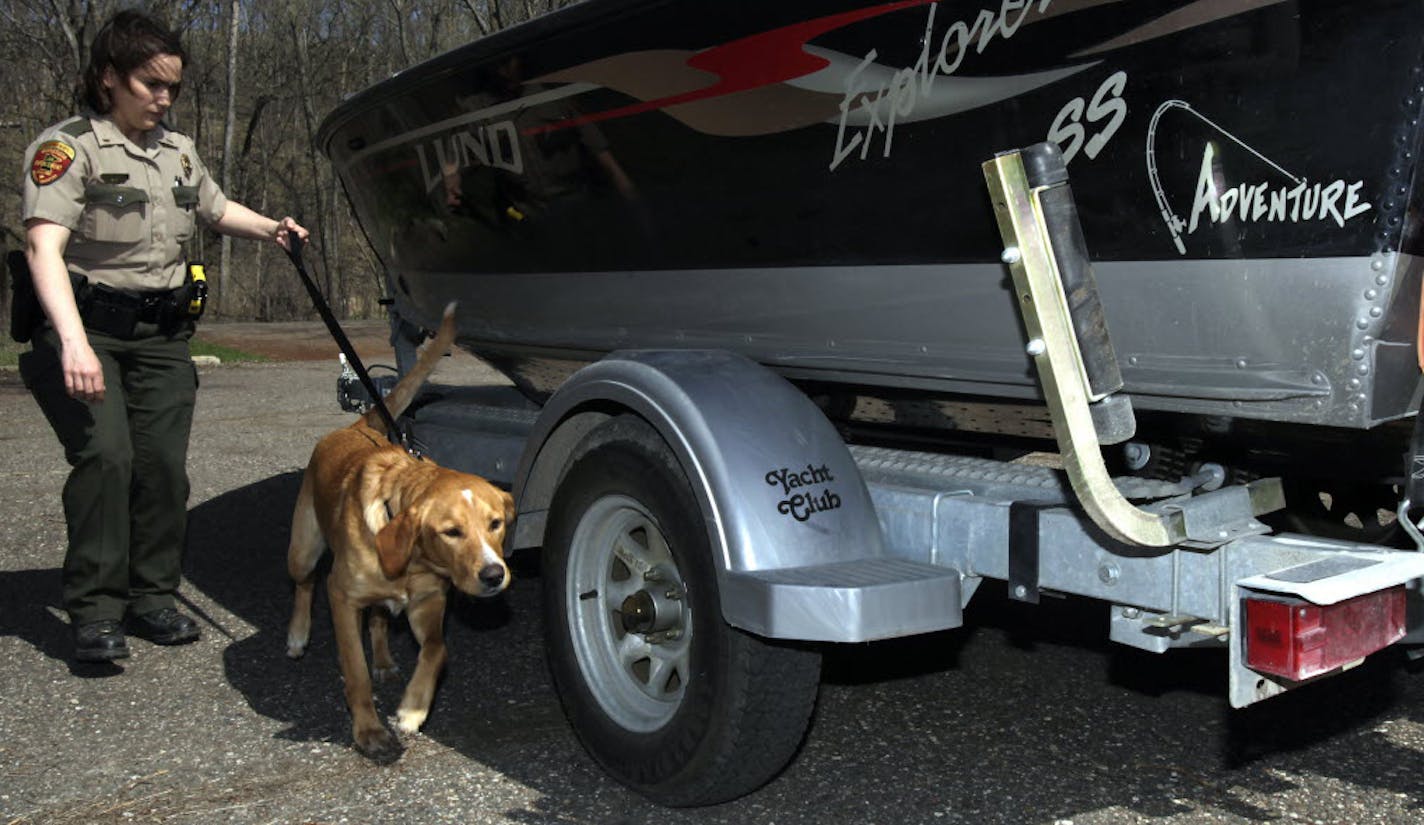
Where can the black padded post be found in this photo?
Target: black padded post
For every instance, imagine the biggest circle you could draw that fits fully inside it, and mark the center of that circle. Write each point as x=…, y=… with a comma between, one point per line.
x=1047, y=173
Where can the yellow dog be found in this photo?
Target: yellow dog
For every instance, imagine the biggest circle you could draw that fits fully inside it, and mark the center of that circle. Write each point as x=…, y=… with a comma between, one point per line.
x=401, y=530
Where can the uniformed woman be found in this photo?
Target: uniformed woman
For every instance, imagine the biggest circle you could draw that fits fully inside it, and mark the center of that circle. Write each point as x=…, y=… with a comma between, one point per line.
x=110, y=197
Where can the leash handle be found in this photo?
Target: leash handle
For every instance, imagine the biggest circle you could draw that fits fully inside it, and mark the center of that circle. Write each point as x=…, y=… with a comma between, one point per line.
x=294, y=248
x=393, y=431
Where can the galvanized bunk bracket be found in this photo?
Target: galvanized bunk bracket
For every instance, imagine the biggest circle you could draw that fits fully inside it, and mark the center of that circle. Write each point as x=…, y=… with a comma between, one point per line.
x=1067, y=386
x=1024, y=550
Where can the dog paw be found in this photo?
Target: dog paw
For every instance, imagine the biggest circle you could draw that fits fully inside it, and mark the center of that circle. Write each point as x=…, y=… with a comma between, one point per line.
x=379, y=745
x=409, y=721
x=296, y=647
x=385, y=674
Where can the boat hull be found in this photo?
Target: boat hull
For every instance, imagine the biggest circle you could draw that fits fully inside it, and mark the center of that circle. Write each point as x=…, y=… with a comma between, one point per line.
x=800, y=182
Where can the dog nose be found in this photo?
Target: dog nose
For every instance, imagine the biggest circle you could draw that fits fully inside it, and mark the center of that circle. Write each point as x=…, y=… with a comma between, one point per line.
x=492, y=575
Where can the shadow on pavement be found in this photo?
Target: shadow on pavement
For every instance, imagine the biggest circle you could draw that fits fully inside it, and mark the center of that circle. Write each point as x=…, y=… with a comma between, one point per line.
x=31, y=610
x=237, y=557
x=494, y=703
x=918, y=725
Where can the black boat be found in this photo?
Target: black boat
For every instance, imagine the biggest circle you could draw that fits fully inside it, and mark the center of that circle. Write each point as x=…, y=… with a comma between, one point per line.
x=800, y=182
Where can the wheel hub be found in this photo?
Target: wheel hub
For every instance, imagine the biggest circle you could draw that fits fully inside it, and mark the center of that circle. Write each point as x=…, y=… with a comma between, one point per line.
x=654, y=611
x=630, y=621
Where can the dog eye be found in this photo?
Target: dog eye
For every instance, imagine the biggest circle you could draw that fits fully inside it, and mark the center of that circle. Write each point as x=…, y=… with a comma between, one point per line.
x=453, y=532
x=495, y=524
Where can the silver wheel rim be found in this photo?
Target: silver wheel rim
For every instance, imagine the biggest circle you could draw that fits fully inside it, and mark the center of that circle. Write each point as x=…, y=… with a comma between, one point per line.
x=638, y=674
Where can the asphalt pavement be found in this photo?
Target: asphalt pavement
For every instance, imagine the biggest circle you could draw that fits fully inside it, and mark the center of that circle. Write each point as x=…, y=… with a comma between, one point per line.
x=1022, y=716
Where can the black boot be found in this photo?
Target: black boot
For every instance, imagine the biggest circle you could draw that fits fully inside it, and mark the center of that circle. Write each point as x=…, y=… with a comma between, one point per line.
x=101, y=641
x=165, y=626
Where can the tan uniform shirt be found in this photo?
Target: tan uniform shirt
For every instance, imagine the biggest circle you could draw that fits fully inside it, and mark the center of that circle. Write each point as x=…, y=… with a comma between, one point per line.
x=129, y=208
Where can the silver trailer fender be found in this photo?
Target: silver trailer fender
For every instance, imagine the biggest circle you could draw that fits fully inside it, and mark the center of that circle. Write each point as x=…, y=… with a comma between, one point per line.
x=797, y=544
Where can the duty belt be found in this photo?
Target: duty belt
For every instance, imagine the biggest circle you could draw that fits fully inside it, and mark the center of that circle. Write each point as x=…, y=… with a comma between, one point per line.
x=118, y=312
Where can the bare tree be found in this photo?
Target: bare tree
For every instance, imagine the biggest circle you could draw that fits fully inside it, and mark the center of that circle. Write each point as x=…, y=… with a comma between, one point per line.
x=229, y=126
x=258, y=80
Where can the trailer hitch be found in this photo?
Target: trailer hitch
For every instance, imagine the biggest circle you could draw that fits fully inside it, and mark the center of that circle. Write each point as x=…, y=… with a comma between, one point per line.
x=1068, y=341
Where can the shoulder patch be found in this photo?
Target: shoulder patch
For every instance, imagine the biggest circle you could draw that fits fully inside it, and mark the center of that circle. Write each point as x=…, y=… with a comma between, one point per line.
x=51, y=161
x=76, y=127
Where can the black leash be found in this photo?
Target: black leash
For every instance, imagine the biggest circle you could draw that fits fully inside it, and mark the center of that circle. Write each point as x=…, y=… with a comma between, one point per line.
x=393, y=432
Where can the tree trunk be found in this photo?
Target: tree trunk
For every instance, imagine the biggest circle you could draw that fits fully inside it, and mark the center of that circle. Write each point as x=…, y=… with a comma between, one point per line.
x=229, y=126
x=261, y=303
x=314, y=170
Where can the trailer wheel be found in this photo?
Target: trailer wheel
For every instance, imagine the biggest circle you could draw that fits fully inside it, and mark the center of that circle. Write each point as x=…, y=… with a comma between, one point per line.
x=665, y=695
x=1352, y=512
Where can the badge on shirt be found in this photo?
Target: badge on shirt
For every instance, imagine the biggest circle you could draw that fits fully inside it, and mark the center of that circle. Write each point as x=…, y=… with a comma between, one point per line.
x=51, y=161
x=187, y=166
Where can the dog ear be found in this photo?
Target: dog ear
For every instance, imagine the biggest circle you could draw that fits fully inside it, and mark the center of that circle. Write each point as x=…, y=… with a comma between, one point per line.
x=376, y=490
x=509, y=514
x=395, y=543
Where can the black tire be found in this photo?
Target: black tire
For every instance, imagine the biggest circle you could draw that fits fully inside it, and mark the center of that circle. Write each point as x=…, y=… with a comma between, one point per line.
x=711, y=712
x=1355, y=512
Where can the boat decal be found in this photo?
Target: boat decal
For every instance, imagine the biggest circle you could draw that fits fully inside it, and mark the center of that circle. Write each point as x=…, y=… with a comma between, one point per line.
x=1217, y=199
x=799, y=85
x=951, y=96
x=869, y=97
x=481, y=115
x=1069, y=131
x=748, y=63
x=1197, y=14
x=900, y=95
x=775, y=81
x=491, y=144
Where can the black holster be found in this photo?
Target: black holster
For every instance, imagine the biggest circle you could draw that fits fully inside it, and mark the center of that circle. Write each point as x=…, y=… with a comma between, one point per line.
x=25, y=310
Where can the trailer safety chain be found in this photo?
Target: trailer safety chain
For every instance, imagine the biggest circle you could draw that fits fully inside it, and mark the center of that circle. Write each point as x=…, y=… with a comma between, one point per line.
x=1413, y=484
x=1406, y=520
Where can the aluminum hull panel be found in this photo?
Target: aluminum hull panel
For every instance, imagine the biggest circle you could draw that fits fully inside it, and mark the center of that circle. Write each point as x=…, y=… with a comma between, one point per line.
x=1286, y=354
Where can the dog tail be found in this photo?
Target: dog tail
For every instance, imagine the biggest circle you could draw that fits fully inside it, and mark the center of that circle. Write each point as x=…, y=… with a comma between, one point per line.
x=405, y=390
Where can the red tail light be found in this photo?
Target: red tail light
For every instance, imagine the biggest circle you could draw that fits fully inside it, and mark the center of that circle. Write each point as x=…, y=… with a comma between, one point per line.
x=1296, y=639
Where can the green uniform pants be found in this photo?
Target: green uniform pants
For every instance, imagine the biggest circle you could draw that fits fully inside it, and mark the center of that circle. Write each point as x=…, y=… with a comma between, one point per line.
x=126, y=500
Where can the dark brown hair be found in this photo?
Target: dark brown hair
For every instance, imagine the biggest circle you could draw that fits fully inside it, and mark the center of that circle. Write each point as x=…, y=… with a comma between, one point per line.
x=129, y=40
